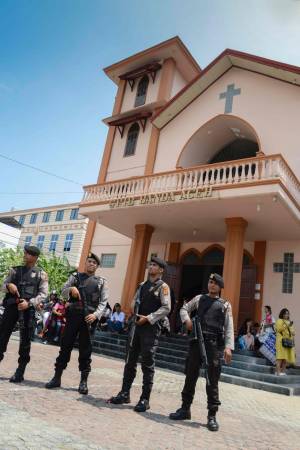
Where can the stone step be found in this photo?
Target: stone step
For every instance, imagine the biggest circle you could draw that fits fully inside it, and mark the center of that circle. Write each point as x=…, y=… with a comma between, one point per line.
x=237, y=380
x=178, y=357
x=247, y=353
x=257, y=384
x=259, y=368
x=121, y=339
x=248, y=381
x=268, y=378
x=250, y=359
x=116, y=348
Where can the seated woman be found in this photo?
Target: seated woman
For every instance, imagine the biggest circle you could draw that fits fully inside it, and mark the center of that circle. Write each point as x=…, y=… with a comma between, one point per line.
x=55, y=324
x=285, y=350
x=117, y=320
x=245, y=339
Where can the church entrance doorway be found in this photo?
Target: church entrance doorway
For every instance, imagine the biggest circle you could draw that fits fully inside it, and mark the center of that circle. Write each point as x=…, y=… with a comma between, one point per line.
x=196, y=268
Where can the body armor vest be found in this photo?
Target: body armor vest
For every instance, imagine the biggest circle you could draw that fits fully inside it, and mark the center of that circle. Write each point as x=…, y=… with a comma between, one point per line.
x=27, y=282
x=92, y=287
x=212, y=314
x=150, y=297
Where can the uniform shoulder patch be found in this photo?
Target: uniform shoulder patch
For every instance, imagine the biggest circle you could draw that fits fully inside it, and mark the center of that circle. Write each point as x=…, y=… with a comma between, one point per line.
x=165, y=289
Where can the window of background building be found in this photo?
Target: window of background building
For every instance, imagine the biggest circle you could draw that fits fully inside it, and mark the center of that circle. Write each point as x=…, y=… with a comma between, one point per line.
x=132, y=137
x=68, y=242
x=108, y=260
x=22, y=220
x=33, y=218
x=28, y=240
x=46, y=216
x=59, y=216
x=53, y=242
x=74, y=214
x=141, y=92
x=40, y=241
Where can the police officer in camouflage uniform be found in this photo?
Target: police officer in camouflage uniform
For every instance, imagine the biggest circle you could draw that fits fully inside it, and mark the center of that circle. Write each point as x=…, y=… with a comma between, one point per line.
x=79, y=321
x=154, y=304
x=215, y=316
x=26, y=287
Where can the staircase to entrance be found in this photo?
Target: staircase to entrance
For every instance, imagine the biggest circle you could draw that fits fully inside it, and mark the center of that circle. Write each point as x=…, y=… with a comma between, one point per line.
x=247, y=369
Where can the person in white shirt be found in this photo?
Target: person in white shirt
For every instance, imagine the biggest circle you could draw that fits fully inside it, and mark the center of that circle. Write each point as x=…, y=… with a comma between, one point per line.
x=117, y=320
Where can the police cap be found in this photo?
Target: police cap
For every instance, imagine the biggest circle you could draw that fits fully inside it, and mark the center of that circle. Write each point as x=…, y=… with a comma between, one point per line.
x=94, y=257
x=32, y=250
x=160, y=262
x=217, y=279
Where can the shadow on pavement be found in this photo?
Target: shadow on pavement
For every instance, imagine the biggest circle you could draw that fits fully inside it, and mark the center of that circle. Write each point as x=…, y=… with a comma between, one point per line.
x=41, y=385
x=99, y=402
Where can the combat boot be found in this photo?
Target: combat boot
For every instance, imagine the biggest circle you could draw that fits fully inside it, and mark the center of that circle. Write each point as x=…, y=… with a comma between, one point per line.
x=181, y=414
x=142, y=405
x=18, y=376
x=212, y=423
x=55, y=382
x=122, y=397
x=83, y=387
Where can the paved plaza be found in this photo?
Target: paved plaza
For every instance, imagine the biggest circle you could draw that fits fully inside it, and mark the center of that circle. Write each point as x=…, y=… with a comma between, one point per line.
x=32, y=417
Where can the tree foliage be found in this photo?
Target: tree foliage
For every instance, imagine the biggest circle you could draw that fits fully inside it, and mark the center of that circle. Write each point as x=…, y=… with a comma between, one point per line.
x=57, y=268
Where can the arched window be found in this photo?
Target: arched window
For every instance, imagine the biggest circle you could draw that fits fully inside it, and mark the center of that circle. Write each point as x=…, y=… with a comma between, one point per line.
x=141, y=92
x=132, y=138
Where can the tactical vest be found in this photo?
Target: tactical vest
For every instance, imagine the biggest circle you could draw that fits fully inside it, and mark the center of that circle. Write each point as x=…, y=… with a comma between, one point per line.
x=212, y=314
x=150, y=298
x=92, y=287
x=27, y=282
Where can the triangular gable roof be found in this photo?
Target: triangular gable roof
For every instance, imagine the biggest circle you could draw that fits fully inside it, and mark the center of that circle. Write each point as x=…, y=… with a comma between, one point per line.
x=171, y=48
x=227, y=59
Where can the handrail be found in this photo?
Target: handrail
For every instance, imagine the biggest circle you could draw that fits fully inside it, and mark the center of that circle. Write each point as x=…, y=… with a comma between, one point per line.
x=229, y=173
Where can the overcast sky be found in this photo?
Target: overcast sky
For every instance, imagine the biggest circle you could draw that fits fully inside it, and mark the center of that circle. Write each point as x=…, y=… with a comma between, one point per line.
x=53, y=93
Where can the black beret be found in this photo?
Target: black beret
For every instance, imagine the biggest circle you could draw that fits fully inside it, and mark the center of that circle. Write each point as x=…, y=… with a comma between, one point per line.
x=93, y=256
x=32, y=250
x=160, y=262
x=218, y=279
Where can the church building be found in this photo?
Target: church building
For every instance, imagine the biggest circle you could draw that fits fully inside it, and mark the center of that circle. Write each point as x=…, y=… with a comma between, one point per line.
x=201, y=167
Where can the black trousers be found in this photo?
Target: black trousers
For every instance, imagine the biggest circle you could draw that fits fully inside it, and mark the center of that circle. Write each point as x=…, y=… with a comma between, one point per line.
x=76, y=326
x=214, y=356
x=144, y=343
x=9, y=320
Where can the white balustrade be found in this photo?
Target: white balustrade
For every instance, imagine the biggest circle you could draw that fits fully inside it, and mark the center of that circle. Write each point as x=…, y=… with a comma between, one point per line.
x=222, y=174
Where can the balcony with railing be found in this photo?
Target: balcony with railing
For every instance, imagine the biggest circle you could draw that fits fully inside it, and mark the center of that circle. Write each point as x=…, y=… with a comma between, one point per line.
x=260, y=170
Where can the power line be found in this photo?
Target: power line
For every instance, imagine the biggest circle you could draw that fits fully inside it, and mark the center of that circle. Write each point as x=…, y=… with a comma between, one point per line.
x=39, y=170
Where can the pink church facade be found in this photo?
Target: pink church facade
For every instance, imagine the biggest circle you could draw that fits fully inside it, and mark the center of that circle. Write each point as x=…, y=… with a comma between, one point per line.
x=202, y=168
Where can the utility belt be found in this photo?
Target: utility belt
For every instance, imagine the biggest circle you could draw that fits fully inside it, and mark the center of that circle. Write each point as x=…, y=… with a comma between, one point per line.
x=214, y=337
x=209, y=335
x=76, y=307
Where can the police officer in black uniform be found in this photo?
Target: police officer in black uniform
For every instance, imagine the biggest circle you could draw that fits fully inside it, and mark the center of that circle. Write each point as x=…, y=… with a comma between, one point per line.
x=87, y=297
x=215, y=316
x=151, y=304
x=26, y=287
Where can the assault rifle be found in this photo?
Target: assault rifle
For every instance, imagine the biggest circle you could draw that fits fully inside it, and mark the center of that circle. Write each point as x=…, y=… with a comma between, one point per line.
x=134, y=320
x=198, y=335
x=81, y=288
x=21, y=286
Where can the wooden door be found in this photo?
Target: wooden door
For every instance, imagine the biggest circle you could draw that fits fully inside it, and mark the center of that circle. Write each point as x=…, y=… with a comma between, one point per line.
x=172, y=276
x=246, y=306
